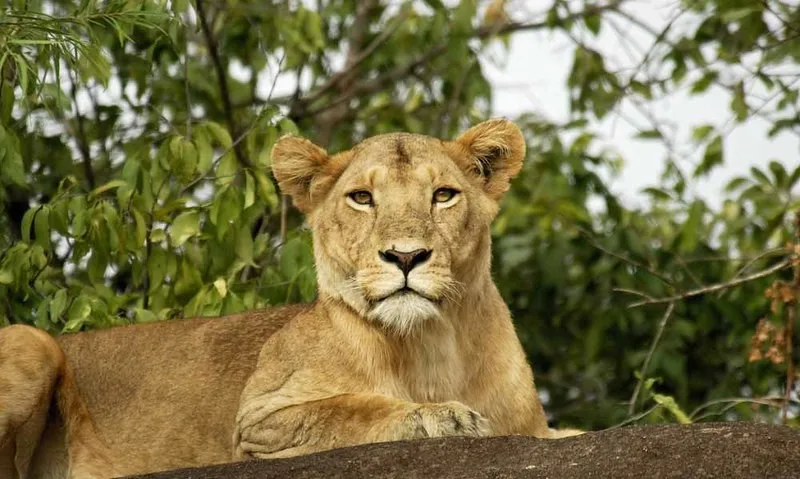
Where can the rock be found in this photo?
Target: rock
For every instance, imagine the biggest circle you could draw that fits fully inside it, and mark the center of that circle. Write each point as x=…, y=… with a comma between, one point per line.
x=719, y=450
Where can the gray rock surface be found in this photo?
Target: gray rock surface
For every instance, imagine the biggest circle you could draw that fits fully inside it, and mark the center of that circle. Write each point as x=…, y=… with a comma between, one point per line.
x=718, y=450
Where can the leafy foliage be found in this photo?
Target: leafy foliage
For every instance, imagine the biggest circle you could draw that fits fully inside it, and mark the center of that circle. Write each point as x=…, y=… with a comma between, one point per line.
x=134, y=150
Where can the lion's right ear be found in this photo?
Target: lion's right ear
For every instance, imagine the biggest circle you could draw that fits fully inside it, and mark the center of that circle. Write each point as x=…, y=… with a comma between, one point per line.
x=493, y=152
x=299, y=166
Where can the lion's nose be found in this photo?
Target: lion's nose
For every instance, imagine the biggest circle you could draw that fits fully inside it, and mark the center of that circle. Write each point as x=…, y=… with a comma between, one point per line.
x=405, y=261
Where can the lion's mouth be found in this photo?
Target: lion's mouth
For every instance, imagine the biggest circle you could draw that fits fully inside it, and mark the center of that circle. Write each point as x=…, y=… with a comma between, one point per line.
x=405, y=291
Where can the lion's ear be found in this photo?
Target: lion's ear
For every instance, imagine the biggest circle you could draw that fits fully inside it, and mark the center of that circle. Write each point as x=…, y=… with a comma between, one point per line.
x=297, y=164
x=492, y=151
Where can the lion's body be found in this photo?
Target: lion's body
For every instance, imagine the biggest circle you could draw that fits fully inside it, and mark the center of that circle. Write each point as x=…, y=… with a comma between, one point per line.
x=410, y=337
x=165, y=395
x=161, y=396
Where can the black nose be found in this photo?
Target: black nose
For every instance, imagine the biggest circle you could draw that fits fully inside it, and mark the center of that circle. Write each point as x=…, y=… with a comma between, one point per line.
x=405, y=261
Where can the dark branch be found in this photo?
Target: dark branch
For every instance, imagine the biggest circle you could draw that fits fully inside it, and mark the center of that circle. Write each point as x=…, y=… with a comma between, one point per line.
x=367, y=87
x=80, y=138
x=222, y=79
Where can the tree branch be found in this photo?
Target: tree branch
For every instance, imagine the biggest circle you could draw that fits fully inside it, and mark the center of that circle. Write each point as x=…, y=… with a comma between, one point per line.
x=714, y=287
x=646, y=365
x=222, y=80
x=80, y=137
x=338, y=109
x=790, y=311
x=337, y=78
x=379, y=83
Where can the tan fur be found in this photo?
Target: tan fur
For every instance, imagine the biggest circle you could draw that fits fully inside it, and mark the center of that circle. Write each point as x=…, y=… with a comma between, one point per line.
x=366, y=362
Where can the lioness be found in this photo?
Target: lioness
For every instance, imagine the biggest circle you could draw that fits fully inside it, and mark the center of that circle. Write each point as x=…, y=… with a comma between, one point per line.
x=409, y=337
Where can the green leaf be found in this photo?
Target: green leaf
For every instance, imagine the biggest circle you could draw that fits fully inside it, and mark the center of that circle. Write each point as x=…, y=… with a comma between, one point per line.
x=6, y=101
x=58, y=305
x=141, y=228
x=736, y=183
x=737, y=14
x=288, y=127
x=106, y=187
x=691, y=229
x=42, y=318
x=657, y=193
x=27, y=222
x=189, y=159
x=668, y=402
x=249, y=191
x=313, y=30
x=701, y=132
x=141, y=315
x=593, y=23
x=244, y=245
x=267, y=190
x=712, y=158
x=760, y=176
x=701, y=85
x=12, y=166
x=780, y=174
x=22, y=71
x=41, y=226
x=649, y=134
x=6, y=277
x=738, y=103
x=185, y=226
x=78, y=312
x=221, y=287
x=219, y=133
x=226, y=171
x=205, y=155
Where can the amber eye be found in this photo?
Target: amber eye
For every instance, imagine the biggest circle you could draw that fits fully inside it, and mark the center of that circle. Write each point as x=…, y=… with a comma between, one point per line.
x=361, y=197
x=443, y=195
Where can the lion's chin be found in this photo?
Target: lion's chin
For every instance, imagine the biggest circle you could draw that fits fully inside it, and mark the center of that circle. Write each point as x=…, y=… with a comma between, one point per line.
x=404, y=312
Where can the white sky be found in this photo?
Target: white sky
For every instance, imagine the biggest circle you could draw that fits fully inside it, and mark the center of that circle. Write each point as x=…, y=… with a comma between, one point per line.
x=533, y=78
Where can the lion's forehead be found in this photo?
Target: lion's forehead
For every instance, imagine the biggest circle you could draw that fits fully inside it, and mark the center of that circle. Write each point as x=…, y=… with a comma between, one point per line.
x=399, y=159
x=399, y=150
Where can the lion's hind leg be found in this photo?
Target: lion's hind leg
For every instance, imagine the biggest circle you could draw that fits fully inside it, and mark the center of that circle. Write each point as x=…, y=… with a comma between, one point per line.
x=30, y=362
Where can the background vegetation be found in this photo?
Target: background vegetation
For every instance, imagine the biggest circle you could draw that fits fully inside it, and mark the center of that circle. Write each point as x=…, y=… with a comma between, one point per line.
x=134, y=164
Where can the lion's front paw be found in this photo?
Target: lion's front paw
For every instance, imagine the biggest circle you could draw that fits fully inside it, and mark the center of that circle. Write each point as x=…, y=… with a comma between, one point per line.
x=445, y=419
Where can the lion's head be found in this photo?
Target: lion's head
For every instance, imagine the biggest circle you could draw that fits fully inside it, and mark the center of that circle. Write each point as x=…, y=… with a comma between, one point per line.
x=401, y=222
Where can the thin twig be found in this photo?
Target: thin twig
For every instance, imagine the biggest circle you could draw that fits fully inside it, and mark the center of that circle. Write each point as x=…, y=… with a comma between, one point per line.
x=754, y=259
x=715, y=287
x=284, y=217
x=624, y=258
x=646, y=365
x=80, y=137
x=380, y=82
x=635, y=418
x=688, y=270
x=772, y=401
x=239, y=138
x=358, y=59
x=634, y=292
x=186, y=79
x=222, y=80
x=791, y=317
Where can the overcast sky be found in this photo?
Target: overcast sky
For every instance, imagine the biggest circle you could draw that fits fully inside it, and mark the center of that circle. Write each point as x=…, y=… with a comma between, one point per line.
x=533, y=78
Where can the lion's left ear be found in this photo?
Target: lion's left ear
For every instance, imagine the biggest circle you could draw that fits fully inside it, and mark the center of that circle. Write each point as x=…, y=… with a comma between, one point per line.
x=492, y=151
x=304, y=170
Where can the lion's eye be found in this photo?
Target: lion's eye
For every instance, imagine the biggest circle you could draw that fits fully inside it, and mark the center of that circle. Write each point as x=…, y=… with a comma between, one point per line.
x=361, y=197
x=443, y=195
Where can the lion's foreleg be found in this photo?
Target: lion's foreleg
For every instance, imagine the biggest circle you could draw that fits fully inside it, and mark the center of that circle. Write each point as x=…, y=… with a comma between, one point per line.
x=266, y=431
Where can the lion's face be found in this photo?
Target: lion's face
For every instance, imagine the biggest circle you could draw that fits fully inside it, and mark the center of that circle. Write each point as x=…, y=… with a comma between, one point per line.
x=401, y=221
